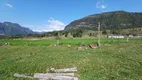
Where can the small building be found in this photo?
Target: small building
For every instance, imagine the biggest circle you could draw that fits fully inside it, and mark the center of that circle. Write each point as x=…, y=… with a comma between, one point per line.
x=115, y=36
x=138, y=36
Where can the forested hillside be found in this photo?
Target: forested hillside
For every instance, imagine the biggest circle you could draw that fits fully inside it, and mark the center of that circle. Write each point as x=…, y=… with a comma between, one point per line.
x=109, y=20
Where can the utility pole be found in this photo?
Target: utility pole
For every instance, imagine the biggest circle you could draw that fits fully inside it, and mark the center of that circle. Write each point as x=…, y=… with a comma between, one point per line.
x=99, y=34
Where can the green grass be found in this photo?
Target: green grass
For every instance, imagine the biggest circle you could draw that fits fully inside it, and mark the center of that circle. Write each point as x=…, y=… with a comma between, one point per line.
x=62, y=41
x=115, y=60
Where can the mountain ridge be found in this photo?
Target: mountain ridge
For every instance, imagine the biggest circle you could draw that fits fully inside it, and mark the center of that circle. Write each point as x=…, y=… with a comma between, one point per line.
x=109, y=20
x=12, y=29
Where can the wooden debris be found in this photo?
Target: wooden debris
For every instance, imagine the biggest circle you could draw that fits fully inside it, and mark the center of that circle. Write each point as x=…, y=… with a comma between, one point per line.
x=60, y=74
x=64, y=78
x=55, y=76
x=22, y=75
x=64, y=70
x=61, y=78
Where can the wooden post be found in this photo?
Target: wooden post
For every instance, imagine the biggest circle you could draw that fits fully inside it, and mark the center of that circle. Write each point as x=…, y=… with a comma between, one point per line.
x=127, y=39
x=99, y=34
x=58, y=42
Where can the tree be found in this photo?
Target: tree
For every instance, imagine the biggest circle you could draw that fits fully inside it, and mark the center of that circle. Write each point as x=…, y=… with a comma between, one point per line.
x=104, y=32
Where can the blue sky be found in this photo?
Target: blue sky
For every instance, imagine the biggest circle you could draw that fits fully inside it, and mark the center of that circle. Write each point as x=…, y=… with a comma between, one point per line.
x=49, y=15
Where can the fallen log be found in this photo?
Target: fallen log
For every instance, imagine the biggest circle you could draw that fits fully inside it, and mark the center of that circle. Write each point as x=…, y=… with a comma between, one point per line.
x=38, y=75
x=64, y=70
x=56, y=78
x=60, y=74
x=49, y=76
x=22, y=75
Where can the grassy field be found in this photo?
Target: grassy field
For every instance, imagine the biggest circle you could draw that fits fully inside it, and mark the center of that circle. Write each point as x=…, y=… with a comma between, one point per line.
x=116, y=59
x=63, y=41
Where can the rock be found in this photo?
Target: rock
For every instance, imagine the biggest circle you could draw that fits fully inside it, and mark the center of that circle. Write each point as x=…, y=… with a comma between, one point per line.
x=94, y=46
x=80, y=48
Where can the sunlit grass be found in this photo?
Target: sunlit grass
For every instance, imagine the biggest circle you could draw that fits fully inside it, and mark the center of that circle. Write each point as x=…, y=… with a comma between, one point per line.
x=115, y=60
x=62, y=41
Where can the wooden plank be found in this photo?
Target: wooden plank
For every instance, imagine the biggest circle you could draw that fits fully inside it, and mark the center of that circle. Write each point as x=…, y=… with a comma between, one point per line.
x=64, y=70
x=22, y=75
x=60, y=74
x=64, y=78
x=57, y=78
x=49, y=76
x=38, y=75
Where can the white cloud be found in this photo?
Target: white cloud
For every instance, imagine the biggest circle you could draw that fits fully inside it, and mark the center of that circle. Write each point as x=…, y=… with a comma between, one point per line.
x=9, y=5
x=55, y=25
x=97, y=4
x=51, y=25
x=101, y=5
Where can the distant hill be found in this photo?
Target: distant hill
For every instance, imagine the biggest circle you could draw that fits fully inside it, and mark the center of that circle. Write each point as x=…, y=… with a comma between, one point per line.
x=108, y=20
x=12, y=29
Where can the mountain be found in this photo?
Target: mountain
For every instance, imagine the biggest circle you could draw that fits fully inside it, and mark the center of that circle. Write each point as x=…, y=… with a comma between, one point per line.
x=108, y=20
x=12, y=29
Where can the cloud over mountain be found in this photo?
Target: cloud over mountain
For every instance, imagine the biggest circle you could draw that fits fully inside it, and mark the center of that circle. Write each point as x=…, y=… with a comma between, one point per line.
x=101, y=5
x=51, y=25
